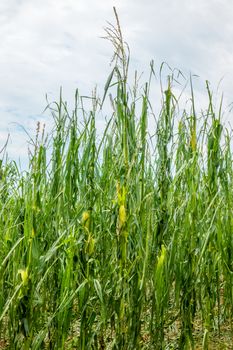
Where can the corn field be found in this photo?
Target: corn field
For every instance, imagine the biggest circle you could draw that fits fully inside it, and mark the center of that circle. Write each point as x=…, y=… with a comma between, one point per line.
x=123, y=239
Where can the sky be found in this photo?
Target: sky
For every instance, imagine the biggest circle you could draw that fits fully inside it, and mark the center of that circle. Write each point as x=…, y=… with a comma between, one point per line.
x=47, y=44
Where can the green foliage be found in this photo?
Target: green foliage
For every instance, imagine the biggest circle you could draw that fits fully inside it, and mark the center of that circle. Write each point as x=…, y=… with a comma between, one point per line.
x=108, y=243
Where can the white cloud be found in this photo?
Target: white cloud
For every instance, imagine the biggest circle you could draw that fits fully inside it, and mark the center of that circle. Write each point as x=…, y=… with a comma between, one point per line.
x=53, y=43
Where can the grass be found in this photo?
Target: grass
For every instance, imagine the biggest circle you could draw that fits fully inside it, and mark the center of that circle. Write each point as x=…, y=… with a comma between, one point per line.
x=122, y=241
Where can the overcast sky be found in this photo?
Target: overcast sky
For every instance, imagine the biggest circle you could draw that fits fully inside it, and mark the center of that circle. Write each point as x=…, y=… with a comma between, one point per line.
x=51, y=43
